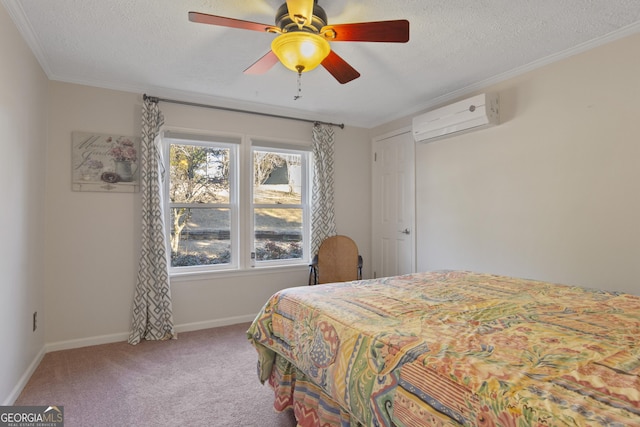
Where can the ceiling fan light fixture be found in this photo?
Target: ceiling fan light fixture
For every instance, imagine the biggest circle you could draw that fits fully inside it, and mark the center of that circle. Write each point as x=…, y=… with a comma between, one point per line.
x=300, y=51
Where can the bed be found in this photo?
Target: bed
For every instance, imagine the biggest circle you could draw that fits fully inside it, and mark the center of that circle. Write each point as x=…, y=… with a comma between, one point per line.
x=451, y=348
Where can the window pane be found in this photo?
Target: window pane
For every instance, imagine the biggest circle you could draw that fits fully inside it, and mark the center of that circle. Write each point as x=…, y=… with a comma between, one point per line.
x=277, y=178
x=278, y=234
x=198, y=174
x=200, y=236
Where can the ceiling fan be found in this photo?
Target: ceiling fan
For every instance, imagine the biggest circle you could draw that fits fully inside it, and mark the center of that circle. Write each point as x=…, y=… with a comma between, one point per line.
x=303, y=38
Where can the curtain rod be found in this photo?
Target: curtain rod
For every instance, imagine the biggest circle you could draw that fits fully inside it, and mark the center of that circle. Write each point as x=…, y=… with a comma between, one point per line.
x=194, y=104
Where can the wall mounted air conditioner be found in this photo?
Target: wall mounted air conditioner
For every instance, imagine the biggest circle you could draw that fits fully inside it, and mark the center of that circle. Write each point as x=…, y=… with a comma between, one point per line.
x=474, y=113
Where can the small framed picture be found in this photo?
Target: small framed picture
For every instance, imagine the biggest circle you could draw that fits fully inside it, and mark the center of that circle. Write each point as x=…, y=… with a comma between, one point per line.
x=102, y=162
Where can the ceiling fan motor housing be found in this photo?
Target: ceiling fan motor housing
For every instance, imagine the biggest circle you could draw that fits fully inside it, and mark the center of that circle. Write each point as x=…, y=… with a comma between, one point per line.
x=286, y=24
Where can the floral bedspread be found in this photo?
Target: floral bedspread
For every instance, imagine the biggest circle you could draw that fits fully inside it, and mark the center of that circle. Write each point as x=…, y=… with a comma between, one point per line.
x=451, y=348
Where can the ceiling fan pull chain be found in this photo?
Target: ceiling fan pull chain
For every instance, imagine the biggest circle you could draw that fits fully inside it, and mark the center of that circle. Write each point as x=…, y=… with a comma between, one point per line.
x=299, y=95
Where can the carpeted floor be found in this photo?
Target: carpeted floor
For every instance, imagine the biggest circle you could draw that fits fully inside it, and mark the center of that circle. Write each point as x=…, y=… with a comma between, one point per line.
x=204, y=378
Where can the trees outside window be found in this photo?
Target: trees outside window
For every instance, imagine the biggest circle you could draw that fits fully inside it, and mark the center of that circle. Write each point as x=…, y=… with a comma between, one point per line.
x=199, y=205
x=207, y=229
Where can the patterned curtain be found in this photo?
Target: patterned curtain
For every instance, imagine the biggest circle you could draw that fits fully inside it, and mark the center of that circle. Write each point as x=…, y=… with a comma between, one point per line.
x=152, y=311
x=323, y=223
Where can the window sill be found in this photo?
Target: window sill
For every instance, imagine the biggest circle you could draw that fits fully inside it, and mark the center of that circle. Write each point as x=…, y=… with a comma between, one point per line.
x=255, y=271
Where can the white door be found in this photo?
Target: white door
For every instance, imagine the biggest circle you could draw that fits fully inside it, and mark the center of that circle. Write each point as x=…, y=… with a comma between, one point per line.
x=393, y=199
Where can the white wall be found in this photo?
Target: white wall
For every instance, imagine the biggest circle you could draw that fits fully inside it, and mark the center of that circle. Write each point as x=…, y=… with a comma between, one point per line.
x=553, y=193
x=92, y=252
x=23, y=94
x=93, y=237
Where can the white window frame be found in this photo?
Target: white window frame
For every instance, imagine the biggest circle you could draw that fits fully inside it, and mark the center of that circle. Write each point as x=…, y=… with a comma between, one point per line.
x=233, y=143
x=240, y=198
x=305, y=205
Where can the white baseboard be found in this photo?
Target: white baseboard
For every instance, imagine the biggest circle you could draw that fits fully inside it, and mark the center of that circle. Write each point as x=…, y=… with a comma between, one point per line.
x=24, y=379
x=85, y=342
x=186, y=327
x=124, y=336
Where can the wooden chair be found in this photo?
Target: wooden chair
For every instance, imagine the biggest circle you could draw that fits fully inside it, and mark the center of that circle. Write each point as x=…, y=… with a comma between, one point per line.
x=337, y=260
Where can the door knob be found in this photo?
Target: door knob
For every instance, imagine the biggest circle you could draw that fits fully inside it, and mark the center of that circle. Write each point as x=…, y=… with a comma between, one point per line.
x=405, y=231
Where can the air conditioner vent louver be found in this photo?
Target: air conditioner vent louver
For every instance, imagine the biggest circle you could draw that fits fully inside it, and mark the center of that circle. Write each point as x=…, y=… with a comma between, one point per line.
x=474, y=113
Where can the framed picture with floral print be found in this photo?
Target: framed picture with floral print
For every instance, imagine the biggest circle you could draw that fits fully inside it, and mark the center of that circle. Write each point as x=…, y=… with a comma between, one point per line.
x=102, y=162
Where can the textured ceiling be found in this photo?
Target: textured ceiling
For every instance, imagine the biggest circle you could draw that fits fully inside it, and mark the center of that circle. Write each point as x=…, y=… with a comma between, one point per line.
x=149, y=46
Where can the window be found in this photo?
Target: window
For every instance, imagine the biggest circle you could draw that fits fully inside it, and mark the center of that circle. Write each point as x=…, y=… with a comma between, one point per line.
x=279, y=205
x=202, y=202
x=214, y=223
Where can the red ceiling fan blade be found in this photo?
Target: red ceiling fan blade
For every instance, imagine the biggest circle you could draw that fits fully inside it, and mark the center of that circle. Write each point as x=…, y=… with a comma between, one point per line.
x=263, y=64
x=222, y=21
x=339, y=68
x=380, y=31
